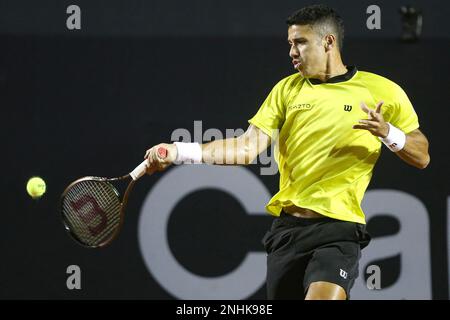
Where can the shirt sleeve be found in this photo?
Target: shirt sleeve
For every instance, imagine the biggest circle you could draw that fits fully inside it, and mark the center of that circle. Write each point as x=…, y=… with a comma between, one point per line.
x=271, y=115
x=402, y=114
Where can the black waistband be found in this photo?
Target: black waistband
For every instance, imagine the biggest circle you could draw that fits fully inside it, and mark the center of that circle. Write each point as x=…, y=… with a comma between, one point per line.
x=289, y=218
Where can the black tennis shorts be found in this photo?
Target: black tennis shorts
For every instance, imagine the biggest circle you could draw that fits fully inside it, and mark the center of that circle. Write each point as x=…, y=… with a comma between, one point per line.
x=305, y=250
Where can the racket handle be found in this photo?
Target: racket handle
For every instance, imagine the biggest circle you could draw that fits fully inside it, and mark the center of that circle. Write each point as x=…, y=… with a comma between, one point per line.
x=140, y=170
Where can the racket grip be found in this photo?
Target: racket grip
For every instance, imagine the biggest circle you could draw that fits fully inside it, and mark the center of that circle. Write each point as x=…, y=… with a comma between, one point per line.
x=162, y=152
x=139, y=171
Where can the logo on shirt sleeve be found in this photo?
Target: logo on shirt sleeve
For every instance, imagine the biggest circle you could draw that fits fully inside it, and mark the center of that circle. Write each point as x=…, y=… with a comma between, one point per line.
x=347, y=107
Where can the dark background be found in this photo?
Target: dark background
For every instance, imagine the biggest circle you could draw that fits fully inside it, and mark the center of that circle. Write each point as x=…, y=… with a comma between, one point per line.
x=75, y=103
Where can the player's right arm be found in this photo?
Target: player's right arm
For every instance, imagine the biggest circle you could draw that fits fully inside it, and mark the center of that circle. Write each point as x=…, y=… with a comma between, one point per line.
x=240, y=150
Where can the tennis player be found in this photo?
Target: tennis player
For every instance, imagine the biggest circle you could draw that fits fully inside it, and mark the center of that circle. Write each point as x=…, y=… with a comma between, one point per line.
x=330, y=121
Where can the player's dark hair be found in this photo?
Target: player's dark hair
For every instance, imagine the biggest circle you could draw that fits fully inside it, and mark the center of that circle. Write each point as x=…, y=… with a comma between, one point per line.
x=322, y=18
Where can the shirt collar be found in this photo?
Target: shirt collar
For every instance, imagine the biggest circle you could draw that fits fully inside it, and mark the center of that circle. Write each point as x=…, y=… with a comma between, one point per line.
x=351, y=71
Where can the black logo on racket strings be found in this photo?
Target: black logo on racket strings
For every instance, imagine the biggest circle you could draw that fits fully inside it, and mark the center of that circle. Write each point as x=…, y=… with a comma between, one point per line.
x=88, y=209
x=347, y=108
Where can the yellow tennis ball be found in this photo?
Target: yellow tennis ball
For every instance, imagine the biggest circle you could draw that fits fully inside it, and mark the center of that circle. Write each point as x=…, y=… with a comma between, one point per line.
x=36, y=187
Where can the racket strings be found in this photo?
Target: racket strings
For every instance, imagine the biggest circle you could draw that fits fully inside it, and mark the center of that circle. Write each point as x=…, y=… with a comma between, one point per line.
x=104, y=197
x=92, y=211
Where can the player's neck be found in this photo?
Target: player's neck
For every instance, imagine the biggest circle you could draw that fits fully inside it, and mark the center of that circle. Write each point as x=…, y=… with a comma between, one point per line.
x=334, y=67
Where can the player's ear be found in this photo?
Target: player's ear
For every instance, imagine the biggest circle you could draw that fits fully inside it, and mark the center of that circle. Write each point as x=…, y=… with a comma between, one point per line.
x=329, y=42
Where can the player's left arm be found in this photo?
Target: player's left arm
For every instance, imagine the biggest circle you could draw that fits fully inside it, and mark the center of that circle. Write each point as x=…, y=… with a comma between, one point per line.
x=415, y=148
x=415, y=151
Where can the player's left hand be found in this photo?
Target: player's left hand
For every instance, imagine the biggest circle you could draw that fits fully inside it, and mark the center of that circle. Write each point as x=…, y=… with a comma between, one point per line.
x=375, y=124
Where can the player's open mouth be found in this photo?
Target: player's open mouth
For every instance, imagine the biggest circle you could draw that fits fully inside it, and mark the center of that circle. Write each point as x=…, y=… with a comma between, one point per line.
x=296, y=64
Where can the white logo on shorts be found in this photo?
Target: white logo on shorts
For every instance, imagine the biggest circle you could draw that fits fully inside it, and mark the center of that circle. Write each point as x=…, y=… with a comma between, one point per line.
x=343, y=274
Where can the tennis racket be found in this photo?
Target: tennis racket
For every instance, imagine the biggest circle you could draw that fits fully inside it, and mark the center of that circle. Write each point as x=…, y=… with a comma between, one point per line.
x=92, y=211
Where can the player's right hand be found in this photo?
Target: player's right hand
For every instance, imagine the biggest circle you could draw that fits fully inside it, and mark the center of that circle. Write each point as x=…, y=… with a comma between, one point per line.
x=156, y=162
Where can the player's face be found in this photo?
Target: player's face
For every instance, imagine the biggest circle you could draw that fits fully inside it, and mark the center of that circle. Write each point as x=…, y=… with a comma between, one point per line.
x=307, y=50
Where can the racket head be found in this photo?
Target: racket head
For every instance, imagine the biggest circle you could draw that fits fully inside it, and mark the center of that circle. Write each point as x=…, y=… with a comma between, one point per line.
x=92, y=212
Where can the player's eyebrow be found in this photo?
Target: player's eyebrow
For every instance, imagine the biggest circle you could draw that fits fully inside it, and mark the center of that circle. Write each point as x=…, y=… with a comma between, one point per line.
x=299, y=39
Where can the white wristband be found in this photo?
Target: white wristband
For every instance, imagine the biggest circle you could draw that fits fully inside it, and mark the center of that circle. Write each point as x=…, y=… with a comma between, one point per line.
x=188, y=152
x=395, y=139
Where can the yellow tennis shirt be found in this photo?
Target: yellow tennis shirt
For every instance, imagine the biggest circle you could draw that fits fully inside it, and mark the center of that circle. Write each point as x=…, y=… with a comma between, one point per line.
x=325, y=165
